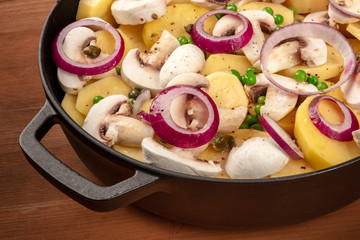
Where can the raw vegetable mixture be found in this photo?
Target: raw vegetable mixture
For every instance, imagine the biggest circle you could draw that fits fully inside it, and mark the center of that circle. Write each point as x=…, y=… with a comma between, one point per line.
x=230, y=89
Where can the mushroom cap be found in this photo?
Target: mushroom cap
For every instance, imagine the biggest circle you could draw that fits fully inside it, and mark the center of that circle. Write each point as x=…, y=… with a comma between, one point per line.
x=138, y=75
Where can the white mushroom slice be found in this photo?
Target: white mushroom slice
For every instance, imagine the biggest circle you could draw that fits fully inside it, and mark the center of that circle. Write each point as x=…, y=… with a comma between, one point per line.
x=193, y=79
x=259, y=21
x=231, y=119
x=162, y=157
x=185, y=59
x=257, y=157
x=213, y=4
x=258, y=89
x=356, y=135
x=138, y=75
x=70, y=83
x=108, y=121
x=75, y=42
x=284, y=56
x=133, y=12
x=314, y=53
x=278, y=103
x=142, y=70
x=292, y=52
x=292, y=84
x=320, y=17
x=339, y=17
x=227, y=25
x=351, y=90
x=160, y=51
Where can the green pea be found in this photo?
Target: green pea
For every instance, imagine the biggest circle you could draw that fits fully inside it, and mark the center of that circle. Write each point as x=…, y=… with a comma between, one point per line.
x=242, y=80
x=313, y=80
x=236, y=73
x=300, y=76
x=182, y=40
x=190, y=41
x=269, y=10
x=118, y=70
x=257, y=108
x=251, y=119
x=279, y=19
x=261, y=100
x=218, y=16
x=231, y=7
x=257, y=126
x=322, y=86
x=244, y=125
x=97, y=99
x=293, y=9
x=253, y=70
x=250, y=79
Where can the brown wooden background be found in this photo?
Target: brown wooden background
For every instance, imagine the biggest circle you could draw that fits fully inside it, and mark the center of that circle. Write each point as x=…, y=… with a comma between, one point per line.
x=31, y=208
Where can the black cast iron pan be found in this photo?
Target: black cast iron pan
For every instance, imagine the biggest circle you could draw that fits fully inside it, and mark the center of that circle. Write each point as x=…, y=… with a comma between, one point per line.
x=189, y=199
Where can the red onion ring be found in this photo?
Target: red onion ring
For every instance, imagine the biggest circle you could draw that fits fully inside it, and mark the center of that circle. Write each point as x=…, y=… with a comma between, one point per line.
x=342, y=132
x=74, y=67
x=345, y=12
x=166, y=128
x=224, y=44
x=281, y=137
x=310, y=30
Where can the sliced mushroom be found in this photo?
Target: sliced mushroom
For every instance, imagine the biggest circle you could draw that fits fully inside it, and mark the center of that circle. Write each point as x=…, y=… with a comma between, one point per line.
x=258, y=89
x=70, y=83
x=291, y=52
x=133, y=12
x=160, y=51
x=231, y=119
x=351, y=90
x=278, y=103
x=356, y=135
x=260, y=21
x=142, y=70
x=321, y=17
x=340, y=17
x=109, y=122
x=257, y=157
x=228, y=25
x=192, y=79
x=178, y=160
x=187, y=58
x=213, y=4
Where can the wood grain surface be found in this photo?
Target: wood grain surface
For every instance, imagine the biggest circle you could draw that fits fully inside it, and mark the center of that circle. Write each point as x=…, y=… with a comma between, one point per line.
x=32, y=208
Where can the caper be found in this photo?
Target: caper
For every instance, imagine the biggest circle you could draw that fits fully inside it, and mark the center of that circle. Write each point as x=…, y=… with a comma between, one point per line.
x=92, y=51
x=223, y=142
x=134, y=93
x=357, y=54
x=188, y=28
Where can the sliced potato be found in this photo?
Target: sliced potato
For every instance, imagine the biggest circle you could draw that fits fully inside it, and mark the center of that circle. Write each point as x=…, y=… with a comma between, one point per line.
x=96, y=8
x=177, y=17
x=226, y=90
x=103, y=87
x=225, y=62
x=69, y=105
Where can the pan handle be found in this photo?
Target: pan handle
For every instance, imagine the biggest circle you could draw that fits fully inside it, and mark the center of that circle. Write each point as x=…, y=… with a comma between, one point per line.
x=88, y=193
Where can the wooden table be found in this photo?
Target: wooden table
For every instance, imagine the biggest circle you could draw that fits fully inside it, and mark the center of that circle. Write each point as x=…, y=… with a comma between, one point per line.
x=32, y=208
